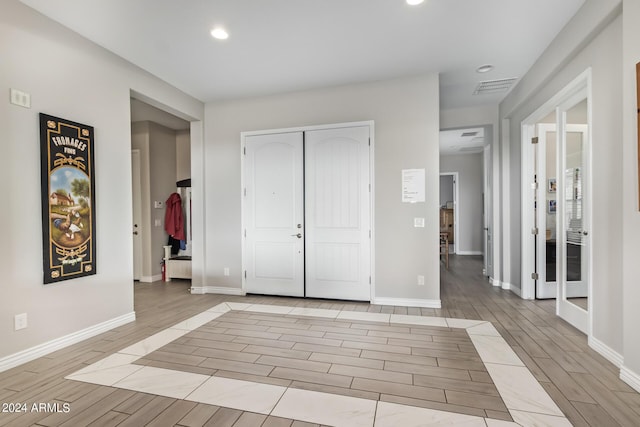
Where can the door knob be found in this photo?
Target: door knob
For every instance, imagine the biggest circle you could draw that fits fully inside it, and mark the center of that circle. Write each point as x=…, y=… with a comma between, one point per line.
x=585, y=232
x=299, y=235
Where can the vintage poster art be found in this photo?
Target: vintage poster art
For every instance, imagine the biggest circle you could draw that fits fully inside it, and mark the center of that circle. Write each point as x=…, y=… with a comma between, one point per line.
x=68, y=199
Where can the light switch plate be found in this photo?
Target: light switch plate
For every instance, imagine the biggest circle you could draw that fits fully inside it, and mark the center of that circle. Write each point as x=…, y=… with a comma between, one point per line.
x=20, y=98
x=418, y=222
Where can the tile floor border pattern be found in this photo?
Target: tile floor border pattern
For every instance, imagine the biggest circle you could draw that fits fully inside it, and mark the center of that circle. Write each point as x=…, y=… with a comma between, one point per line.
x=527, y=401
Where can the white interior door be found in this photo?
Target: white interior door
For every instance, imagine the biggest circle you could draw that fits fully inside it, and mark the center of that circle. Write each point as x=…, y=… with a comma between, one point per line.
x=136, y=191
x=274, y=214
x=337, y=213
x=574, y=213
x=545, y=206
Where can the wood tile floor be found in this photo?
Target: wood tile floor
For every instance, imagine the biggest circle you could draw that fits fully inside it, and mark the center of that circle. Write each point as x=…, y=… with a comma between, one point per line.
x=583, y=384
x=427, y=366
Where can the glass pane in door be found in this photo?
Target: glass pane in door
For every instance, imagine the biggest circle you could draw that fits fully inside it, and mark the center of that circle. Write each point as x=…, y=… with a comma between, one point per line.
x=576, y=286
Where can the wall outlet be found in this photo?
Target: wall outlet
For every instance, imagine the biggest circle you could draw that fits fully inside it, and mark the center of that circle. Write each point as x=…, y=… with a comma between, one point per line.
x=20, y=321
x=420, y=280
x=226, y=271
x=418, y=222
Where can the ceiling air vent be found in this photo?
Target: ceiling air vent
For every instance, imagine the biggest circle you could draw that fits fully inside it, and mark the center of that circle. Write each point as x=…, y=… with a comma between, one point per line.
x=493, y=86
x=465, y=134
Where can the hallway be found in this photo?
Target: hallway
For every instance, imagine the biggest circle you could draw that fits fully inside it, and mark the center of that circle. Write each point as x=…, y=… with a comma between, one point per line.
x=583, y=384
x=339, y=350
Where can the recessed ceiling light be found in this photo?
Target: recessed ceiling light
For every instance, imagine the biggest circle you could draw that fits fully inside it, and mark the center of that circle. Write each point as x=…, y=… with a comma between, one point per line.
x=219, y=33
x=484, y=68
x=414, y=2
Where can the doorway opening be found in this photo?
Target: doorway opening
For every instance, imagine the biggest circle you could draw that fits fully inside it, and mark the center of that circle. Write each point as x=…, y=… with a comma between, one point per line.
x=448, y=210
x=160, y=158
x=465, y=155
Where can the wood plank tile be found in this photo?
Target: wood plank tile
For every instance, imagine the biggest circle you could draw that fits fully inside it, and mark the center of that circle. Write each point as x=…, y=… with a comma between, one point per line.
x=224, y=417
x=397, y=357
x=226, y=355
x=335, y=390
x=110, y=419
x=475, y=400
x=340, y=351
x=346, y=360
x=433, y=371
x=250, y=419
x=280, y=352
x=276, y=422
x=603, y=396
x=311, y=377
x=457, y=385
x=397, y=389
x=430, y=404
x=199, y=415
x=377, y=347
x=563, y=381
x=238, y=345
x=236, y=366
x=308, y=365
x=263, y=342
x=595, y=415
x=310, y=340
x=568, y=408
x=374, y=374
x=253, y=378
x=173, y=414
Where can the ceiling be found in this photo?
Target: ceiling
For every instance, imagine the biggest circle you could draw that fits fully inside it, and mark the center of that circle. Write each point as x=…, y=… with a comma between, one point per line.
x=280, y=46
x=141, y=112
x=462, y=141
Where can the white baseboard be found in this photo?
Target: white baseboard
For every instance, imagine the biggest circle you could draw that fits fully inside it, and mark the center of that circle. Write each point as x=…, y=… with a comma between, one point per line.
x=201, y=290
x=605, y=351
x=495, y=282
x=513, y=288
x=40, y=350
x=408, y=302
x=630, y=377
x=469, y=253
x=151, y=279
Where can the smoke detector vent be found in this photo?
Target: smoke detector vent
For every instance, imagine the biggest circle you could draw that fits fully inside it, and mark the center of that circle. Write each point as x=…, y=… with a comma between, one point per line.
x=493, y=86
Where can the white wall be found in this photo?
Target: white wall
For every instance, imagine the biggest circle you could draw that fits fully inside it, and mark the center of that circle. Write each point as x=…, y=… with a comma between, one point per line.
x=183, y=155
x=469, y=167
x=602, y=52
x=630, y=207
x=405, y=112
x=162, y=161
x=72, y=78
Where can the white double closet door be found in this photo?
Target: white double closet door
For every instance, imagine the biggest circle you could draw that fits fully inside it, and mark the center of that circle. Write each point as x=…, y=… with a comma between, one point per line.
x=306, y=214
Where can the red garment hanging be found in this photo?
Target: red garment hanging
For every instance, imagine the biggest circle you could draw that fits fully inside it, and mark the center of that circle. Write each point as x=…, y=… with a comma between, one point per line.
x=173, y=221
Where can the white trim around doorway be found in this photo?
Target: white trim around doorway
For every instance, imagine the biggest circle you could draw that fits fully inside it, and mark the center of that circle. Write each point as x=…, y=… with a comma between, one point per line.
x=370, y=124
x=581, y=84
